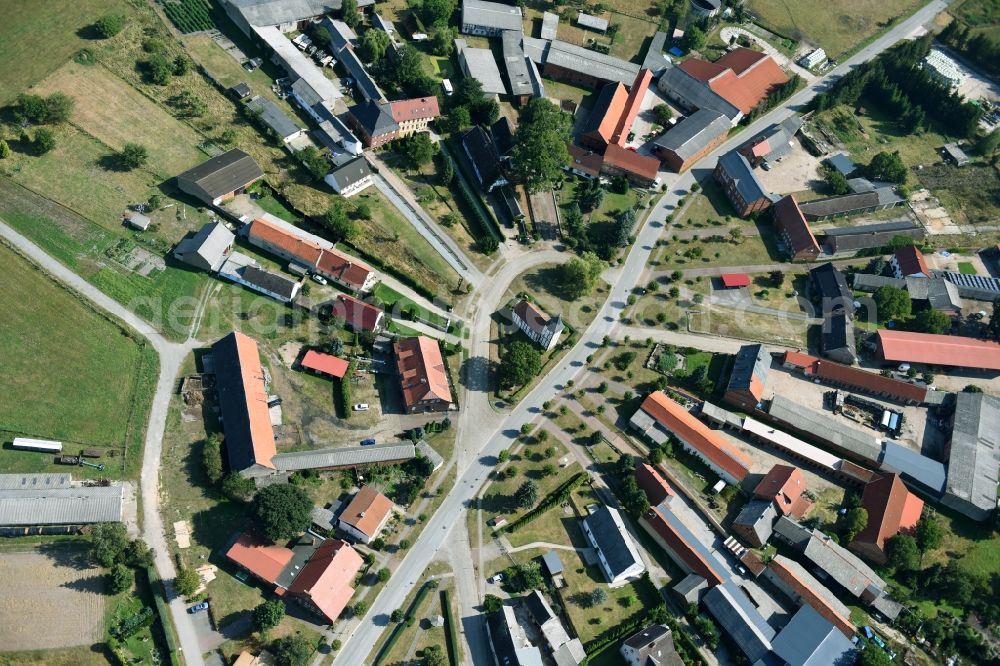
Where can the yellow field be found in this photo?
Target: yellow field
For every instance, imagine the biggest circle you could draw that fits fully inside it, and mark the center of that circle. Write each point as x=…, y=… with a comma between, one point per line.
x=115, y=113
x=836, y=26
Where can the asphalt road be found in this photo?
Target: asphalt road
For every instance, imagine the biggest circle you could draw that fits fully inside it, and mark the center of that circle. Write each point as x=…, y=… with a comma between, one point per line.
x=171, y=355
x=491, y=441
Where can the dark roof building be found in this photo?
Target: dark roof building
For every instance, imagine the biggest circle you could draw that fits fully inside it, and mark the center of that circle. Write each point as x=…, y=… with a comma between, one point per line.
x=837, y=338
x=691, y=94
x=936, y=292
x=483, y=157
x=849, y=239
x=576, y=64
x=652, y=646
x=502, y=133
x=522, y=73
x=755, y=522
x=974, y=455
x=655, y=61
x=845, y=205
x=741, y=623
x=773, y=143
x=830, y=289
x=747, y=194
x=489, y=18
x=692, y=138
x=804, y=590
x=842, y=163
x=242, y=399
x=208, y=248
x=349, y=175
x=809, y=639
x=748, y=377
x=276, y=120
x=794, y=231
x=606, y=532
x=220, y=177
x=374, y=123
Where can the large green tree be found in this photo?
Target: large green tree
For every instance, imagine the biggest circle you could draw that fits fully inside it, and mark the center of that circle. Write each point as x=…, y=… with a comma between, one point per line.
x=932, y=321
x=109, y=25
x=268, y=614
x=108, y=542
x=132, y=156
x=282, y=511
x=437, y=12
x=187, y=581
x=418, y=149
x=526, y=495
x=893, y=304
x=540, y=153
x=211, y=457
x=855, y=521
x=434, y=656
x=292, y=650
x=904, y=554
x=521, y=363
x=341, y=227
x=374, y=44
x=929, y=533
x=887, y=166
x=578, y=276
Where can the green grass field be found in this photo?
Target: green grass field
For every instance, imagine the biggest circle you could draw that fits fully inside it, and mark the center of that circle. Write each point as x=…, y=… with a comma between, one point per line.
x=836, y=27
x=62, y=360
x=966, y=268
x=55, y=29
x=982, y=16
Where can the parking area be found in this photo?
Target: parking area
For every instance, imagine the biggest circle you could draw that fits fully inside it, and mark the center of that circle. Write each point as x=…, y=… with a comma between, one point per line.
x=50, y=597
x=797, y=171
x=919, y=430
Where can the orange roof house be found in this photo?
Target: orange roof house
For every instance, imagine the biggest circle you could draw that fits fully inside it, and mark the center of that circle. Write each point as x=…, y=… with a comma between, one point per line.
x=855, y=378
x=614, y=113
x=324, y=584
x=742, y=77
x=659, y=417
x=422, y=375
x=357, y=314
x=264, y=560
x=682, y=545
x=794, y=230
x=784, y=485
x=414, y=110
x=325, y=364
x=909, y=261
x=891, y=509
x=346, y=270
x=300, y=249
x=242, y=401
x=366, y=515
x=949, y=350
x=632, y=106
x=748, y=377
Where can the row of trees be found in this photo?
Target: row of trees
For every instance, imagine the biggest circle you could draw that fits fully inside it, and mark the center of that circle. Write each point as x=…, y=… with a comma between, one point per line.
x=895, y=82
x=979, y=47
x=540, y=145
x=894, y=305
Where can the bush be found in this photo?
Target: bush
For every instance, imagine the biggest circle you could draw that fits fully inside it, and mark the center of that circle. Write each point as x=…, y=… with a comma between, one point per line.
x=109, y=25
x=282, y=511
x=45, y=140
x=187, y=582
x=268, y=614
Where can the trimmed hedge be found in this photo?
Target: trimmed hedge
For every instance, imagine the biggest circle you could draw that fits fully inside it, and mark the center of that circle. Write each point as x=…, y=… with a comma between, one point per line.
x=612, y=636
x=158, y=591
x=454, y=653
x=408, y=621
x=555, y=497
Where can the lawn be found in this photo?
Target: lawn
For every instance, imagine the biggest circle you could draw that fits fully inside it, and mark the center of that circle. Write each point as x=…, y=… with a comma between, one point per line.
x=747, y=251
x=966, y=268
x=62, y=359
x=113, y=112
x=982, y=16
x=395, y=303
x=830, y=25
x=745, y=325
x=36, y=38
x=874, y=131
x=421, y=634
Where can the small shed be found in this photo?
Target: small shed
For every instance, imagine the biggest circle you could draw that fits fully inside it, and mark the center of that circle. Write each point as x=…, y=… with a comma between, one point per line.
x=842, y=163
x=735, y=280
x=554, y=566
x=497, y=522
x=136, y=220
x=954, y=154
x=437, y=621
x=324, y=364
x=240, y=91
x=592, y=22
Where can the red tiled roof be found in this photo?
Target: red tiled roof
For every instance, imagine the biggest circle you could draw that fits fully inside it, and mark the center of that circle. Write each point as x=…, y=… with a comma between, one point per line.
x=606, y=128
x=417, y=108
x=655, y=486
x=632, y=162
x=675, y=541
x=307, y=252
x=531, y=315
x=730, y=280
x=347, y=269
x=869, y=381
x=367, y=510
x=789, y=217
x=261, y=431
x=325, y=363
x=800, y=360
x=813, y=597
x=421, y=370
x=891, y=509
x=357, y=313
x=262, y=559
x=585, y=160
x=951, y=350
x=784, y=485
x=710, y=443
x=911, y=261
x=632, y=106
x=742, y=77
x=327, y=577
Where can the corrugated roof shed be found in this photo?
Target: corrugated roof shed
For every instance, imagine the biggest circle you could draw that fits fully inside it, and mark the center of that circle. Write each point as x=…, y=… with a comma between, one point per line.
x=598, y=65
x=223, y=173
x=273, y=117
x=831, y=286
x=550, y=25
x=740, y=620
x=689, y=136
x=34, y=481
x=275, y=12
x=655, y=60
x=830, y=430
x=491, y=14
x=974, y=458
x=927, y=473
x=482, y=66
x=61, y=506
x=592, y=22
x=809, y=639
x=516, y=64
x=349, y=456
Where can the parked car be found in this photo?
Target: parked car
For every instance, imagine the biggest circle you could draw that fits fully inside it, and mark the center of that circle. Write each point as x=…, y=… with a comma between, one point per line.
x=197, y=608
x=368, y=442
x=318, y=278
x=904, y=367
x=361, y=407
x=497, y=578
